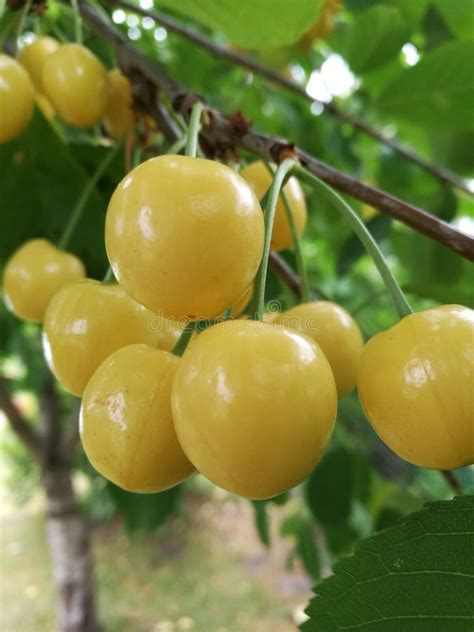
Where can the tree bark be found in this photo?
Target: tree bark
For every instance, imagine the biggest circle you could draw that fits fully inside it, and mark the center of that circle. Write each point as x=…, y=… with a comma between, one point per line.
x=70, y=551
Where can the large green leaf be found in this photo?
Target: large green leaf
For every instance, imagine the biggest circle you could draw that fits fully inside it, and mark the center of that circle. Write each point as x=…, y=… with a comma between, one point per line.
x=438, y=92
x=458, y=15
x=251, y=24
x=416, y=576
x=40, y=183
x=375, y=37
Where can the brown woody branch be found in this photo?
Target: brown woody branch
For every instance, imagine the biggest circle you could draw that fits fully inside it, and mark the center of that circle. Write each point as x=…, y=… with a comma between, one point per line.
x=222, y=135
x=246, y=61
x=20, y=426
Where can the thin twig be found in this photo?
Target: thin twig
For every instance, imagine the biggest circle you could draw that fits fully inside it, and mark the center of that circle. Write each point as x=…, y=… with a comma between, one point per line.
x=246, y=61
x=20, y=426
x=222, y=135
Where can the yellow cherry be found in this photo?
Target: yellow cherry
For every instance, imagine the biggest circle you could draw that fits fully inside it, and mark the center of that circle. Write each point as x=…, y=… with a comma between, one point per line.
x=34, y=56
x=184, y=236
x=76, y=83
x=335, y=331
x=16, y=98
x=33, y=275
x=416, y=386
x=118, y=115
x=126, y=425
x=87, y=321
x=257, y=176
x=254, y=406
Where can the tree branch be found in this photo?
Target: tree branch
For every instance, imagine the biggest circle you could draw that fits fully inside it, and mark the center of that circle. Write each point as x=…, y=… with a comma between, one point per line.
x=246, y=61
x=71, y=435
x=20, y=426
x=222, y=135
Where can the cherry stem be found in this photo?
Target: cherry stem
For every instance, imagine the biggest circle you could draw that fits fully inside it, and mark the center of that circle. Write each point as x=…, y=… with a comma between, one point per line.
x=109, y=276
x=258, y=300
x=86, y=193
x=177, y=146
x=184, y=339
x=300, y=264
x=77, y=21
x=193, y=130
x=21, y=24
x=398, y=298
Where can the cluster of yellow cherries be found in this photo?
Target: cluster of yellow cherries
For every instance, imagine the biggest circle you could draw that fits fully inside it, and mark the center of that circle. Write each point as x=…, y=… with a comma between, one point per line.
x=249, y=404
x=66, y=79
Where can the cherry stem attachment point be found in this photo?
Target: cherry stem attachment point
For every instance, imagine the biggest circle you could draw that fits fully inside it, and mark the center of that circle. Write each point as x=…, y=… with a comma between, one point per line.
x=398, y=298
x=86, y=193
x=300, y=264
x=77, y=21
x=193, y=130
x=21, y=24
x=258, y=300
x=184, y=339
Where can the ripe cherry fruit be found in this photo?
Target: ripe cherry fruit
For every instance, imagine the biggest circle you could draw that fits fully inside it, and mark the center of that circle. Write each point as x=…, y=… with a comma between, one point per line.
x=76, y=83
x=260, y=180
x=34, y=56
x=415, y=384
x=335, y=331
x=254, y=405
x=16, y=98
x=126, y=425
x=34, y=273
x=87, y=321
x=184, y=236
x=118, y=111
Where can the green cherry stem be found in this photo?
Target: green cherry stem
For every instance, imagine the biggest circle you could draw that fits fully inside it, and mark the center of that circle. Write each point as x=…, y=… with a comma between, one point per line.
x=258, y=300
x=300, y=264
x=77, y=21
x=81, y=203
x=109, y=276
x=21, y=24
x=184, y=339
x=193, y=130
x=398, y=298
x=177, y=146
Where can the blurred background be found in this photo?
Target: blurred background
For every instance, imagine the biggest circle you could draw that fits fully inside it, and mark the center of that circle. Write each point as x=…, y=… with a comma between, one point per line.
x=195, y=557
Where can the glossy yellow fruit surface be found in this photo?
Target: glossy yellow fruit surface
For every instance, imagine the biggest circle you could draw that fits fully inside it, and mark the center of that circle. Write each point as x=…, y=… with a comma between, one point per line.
x=76, y=83
x=34, y=56
x=16, y=98
x=241, y=304
x=254, y=406
x=87, y=321
x=416, y=385
x=184, y=236
x=33, y=275
x=335, y=331
x=118, y=112
x=260, y=180
x=126, y=425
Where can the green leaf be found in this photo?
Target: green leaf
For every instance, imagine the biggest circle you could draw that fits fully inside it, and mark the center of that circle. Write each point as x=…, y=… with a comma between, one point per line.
x=40, y=184
x=262, y=521
x=458, y=15
x=144, y=512
x=352, y=249
x=438, y=92
x=300, y=527
x=416, y=576
x=250, y=24
x=334, y=484
x=375, y=37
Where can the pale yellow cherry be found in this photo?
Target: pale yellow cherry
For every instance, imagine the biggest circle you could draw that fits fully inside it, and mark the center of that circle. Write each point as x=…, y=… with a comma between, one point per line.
x=118, y=115
x=16, y=98
x=126, y=424
x=34, y=56
x=33, y=275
